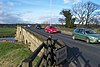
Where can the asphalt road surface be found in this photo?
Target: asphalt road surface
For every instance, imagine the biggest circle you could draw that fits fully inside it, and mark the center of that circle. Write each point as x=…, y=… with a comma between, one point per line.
x=90, y=52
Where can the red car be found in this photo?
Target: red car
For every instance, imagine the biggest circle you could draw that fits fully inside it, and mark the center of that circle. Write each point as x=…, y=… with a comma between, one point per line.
x=51, y=29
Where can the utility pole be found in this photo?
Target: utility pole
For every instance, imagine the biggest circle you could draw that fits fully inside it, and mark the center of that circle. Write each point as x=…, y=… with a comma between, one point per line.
x=50, y=12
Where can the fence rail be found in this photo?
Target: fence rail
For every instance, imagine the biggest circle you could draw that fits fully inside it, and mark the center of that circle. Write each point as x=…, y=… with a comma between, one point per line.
x=55, y=56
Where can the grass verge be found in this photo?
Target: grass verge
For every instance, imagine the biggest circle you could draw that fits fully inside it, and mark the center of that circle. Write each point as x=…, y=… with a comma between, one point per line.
x=7, y=31
x=12, y=54
x=97, y=30
x=65, y=29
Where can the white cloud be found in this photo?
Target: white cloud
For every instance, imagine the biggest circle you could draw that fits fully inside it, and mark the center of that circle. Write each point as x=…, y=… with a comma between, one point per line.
x=66, y=1
x=1, y=3
x=8, y=18
x=1, y=11
x=76, y=1
x=71, y=1
x=1, y=22
x=49, y=19
x=10, y=3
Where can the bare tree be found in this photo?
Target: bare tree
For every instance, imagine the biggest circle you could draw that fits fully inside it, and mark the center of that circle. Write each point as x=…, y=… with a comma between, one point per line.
x=79, y=11
x=61, y=20
x=95, y=19
x=90, y=8
x=84, y=11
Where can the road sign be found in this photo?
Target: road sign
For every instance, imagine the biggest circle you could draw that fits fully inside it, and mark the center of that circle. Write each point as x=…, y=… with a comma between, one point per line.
x=61, y=55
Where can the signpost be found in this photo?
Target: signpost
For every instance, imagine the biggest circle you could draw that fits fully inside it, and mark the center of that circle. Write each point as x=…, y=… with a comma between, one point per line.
x=61, y=55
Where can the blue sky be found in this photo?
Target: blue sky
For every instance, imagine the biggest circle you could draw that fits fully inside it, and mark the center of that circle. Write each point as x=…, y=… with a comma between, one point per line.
x=34, y=11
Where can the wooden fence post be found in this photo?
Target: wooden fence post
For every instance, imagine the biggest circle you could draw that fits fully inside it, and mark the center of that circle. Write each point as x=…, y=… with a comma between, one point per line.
x=27, y=64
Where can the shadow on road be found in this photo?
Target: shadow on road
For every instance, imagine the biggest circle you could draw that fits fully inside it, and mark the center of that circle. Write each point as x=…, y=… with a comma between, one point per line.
x=73, y=56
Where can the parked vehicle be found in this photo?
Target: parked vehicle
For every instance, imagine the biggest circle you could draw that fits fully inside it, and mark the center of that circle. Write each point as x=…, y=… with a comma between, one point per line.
x=38, y=26
x=28, y=25
x=51, y=29
x=86, y=34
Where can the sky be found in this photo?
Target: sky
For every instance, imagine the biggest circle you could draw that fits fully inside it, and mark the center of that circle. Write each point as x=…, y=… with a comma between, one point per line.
x=34, y=11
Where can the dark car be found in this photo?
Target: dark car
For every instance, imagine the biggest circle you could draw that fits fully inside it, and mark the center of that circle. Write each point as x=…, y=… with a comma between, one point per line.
x=86, y=34
x=38, y=26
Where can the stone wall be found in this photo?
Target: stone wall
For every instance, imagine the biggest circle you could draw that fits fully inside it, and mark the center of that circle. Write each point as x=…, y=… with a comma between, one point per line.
x=27, y=37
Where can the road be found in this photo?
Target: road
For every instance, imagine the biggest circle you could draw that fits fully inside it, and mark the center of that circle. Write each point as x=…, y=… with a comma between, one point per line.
x=90, y=52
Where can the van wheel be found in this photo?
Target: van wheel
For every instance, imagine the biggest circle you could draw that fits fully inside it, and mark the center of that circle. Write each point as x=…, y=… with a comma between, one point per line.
x=74, y=37
x=88, y=40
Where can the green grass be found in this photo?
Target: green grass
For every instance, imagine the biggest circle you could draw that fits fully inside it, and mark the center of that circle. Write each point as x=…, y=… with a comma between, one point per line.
x=71, y=29
x=12, y=54
x=97, y=30
x=65, y=29
x=7, y=31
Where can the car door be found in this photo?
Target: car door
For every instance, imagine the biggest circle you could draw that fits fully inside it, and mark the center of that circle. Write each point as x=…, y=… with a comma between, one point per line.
x=76, y=33
x=82, y=35
x=46, y=29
